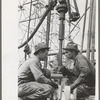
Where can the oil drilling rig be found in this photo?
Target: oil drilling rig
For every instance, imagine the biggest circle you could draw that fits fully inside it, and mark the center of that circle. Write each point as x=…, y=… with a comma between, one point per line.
x=56, y=22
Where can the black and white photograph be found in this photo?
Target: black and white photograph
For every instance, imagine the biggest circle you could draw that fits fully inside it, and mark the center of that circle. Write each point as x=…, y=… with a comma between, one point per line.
x=50, y=50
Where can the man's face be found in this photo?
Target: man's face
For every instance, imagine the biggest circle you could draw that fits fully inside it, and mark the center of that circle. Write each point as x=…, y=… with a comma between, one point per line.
x=69, y=54
x=43, y=54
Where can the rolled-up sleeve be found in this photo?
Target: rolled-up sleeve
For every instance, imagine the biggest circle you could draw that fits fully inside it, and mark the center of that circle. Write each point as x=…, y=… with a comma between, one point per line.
x=84, y=71
x=83, y=68
x=38, y=74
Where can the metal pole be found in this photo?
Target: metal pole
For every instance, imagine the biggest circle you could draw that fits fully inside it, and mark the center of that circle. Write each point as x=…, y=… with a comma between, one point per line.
x=84, y=51
x=47, y=34
x=29, y=19
x=93, y=33
x=28, y=2
x=76, y=7
x=89, y=29
x=28, y=27
x=69, y=8
x=62, y=9
x=61, y=37
x=84, y=25
x=69, y=12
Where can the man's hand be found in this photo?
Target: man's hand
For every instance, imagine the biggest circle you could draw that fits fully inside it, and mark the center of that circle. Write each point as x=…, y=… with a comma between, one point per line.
x=63, y=70
x=72, y=87
x=54, y=85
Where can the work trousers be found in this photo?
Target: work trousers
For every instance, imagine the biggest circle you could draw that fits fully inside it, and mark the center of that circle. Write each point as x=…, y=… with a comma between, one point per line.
x=85, y=91
x=34, y=90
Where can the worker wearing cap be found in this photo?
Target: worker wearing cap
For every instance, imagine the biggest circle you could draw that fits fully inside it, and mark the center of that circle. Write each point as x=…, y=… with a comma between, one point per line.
x=33, y=81
x=83, y=72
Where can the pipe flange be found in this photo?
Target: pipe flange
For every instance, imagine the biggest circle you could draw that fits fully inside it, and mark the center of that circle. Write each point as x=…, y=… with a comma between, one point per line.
x=62, y=8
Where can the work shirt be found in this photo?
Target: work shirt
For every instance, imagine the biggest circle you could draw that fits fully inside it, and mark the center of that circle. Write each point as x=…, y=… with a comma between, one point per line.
x=31, y=70
x=83, y=71
x=32, y=80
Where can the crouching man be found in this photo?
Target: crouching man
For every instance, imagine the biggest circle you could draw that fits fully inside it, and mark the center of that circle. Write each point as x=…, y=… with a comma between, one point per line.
x=83, y=73
x=33, y=81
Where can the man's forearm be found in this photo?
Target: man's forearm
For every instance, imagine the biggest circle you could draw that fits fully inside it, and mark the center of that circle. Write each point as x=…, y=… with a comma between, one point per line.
x=77, y=82
x=43, y=79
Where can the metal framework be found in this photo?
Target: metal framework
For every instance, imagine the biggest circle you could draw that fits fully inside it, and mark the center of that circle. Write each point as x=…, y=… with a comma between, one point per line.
x=34, y=26
x=46, y=23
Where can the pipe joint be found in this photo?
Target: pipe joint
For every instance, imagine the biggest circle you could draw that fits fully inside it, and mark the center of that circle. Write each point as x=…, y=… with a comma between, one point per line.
x=62, y=9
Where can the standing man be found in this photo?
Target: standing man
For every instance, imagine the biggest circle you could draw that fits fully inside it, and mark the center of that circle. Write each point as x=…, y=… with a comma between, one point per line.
x=83, y=73
x=33, y=81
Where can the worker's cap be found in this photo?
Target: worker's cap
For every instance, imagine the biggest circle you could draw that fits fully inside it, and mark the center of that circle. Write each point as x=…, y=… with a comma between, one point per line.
x=41, y=46
x=71, y=46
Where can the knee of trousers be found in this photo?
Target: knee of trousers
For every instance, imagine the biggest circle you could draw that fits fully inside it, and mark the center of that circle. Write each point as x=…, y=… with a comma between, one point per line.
x=49, y=88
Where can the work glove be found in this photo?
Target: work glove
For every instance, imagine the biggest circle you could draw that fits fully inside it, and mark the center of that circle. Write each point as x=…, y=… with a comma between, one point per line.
x=65, y=71
x=72, y=88
x=53, y=84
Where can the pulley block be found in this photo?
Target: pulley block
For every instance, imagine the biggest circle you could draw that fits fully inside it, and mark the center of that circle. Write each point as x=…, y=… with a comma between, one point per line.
x=74, y=16
x=27, y=49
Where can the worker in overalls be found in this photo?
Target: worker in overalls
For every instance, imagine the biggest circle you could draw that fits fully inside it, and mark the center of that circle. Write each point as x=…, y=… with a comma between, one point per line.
x=82, y=74
x=34, y=81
